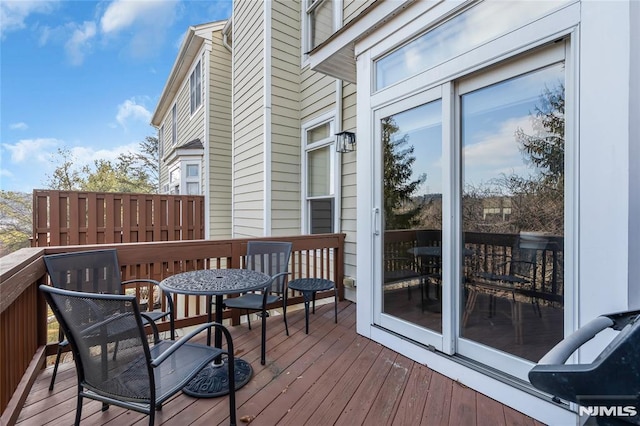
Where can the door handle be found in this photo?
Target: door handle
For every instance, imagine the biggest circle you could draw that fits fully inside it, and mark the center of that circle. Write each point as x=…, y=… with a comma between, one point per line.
x=376, y=221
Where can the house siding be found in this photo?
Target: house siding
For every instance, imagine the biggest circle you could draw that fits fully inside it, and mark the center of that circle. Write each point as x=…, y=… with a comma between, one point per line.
x=248, y=157
x=219, y=183
x=190, y=126
x=317, y=94
x=352, y=8
x=349, y=189
x=285, y=118
x=163, y=172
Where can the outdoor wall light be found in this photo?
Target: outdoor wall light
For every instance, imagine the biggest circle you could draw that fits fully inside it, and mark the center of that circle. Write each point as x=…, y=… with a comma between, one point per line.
x=345, y=142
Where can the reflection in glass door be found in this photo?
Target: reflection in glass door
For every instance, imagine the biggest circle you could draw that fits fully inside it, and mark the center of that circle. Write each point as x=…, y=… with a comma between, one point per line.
x=411, y=145
x=513, y=178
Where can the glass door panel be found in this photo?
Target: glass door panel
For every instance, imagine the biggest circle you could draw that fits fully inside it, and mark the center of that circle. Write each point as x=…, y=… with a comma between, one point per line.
x=512, y=213
x=411, y=146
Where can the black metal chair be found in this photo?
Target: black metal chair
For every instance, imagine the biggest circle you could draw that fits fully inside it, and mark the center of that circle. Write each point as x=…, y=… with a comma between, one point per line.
x=272, y=258
x=140, y=376
x=98, y=271
x=609, y=387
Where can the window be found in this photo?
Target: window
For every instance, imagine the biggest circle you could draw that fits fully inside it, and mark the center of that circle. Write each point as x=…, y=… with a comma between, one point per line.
x=322, y=19
x=462, y=33
x=193, y=188
x=192, y=178
x=320, y=184
x=174, y=125
x=192, y=170
x=195, y=85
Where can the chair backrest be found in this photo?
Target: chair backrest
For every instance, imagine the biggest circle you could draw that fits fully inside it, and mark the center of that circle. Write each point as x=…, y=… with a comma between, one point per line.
x=99, y=326
x=272, y=258
x=95, y=271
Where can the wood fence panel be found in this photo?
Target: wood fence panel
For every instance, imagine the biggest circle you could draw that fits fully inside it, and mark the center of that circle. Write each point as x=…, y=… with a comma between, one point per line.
x=63, y=218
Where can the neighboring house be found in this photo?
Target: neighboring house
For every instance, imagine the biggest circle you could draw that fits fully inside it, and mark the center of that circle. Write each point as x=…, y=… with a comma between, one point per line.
x=454, y=105
x=193, y=118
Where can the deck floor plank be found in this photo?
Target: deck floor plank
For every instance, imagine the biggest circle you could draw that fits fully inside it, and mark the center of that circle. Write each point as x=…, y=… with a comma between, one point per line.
x=330, y=376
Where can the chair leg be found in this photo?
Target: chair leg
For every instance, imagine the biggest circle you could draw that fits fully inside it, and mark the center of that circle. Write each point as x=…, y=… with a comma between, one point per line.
x=263, y=353
x=55, y=367
x=335, y=304
x=249, y=319
x=78, y=409
x=284, y=314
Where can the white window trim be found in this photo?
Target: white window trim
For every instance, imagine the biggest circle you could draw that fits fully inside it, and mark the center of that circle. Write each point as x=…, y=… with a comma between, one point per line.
x=305, y=45
x=329, y=117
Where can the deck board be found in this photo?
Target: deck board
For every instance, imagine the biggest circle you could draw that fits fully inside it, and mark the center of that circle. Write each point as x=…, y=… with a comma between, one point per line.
x=330, y=376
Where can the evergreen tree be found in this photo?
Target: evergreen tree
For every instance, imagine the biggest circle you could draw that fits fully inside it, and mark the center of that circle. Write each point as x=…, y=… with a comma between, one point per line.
x=401, y=209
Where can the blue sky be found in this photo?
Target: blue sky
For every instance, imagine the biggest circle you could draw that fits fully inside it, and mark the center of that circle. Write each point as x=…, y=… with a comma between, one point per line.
x=84, y=75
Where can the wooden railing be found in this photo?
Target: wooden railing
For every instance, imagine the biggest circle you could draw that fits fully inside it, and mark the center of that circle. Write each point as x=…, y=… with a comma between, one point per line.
x=62, y=218
x=23, y=311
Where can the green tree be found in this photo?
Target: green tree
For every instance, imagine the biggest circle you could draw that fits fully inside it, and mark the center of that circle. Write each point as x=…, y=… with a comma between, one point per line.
x=545, y=148
x=130, y=172
x=15, y=221
x=401, y=209
x=66, y=176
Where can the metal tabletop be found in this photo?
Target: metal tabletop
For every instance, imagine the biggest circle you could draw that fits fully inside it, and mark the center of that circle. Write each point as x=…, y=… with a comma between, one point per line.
x=215, y=282
x=213, y=380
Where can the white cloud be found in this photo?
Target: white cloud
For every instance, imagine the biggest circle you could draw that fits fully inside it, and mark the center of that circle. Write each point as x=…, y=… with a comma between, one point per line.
x=80, y=42
x=146, y=21
x=18, y=126
x=30, y=149
x=130, y=110
x=83, y=155
x=13, y=13
x=496, y=153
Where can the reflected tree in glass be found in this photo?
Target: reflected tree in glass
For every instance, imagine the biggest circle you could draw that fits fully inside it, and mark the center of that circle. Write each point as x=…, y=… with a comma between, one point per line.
x=401, y=208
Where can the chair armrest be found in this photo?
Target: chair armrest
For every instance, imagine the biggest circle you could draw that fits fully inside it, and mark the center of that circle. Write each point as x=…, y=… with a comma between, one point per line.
x=156, y=283
x=184, y=339
x=154, y=326
x=141, y=280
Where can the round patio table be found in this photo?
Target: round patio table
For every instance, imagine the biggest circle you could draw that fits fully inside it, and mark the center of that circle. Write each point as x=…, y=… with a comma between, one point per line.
x=213, y=380
x=309, y=287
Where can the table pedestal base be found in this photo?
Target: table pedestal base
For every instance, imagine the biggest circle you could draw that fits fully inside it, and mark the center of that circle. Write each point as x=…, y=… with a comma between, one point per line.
x=213, y=381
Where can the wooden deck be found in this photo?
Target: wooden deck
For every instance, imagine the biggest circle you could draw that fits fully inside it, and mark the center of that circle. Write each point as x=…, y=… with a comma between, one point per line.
x=331, y=376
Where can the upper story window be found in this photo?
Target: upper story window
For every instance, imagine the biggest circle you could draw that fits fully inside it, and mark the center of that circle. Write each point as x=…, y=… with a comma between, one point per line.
x=174, y=125
x=320, y=187
x=195, y=86
x=322, y=19
x=464, y=32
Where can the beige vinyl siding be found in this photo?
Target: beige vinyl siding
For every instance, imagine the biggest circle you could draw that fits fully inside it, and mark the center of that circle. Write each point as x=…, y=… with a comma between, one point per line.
x=285, y=118
x=317, y=94
x=349, y=189
x=220, y=139
x=163, y=172
x=248, y=72
x=352, y=8
x=190, y=126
